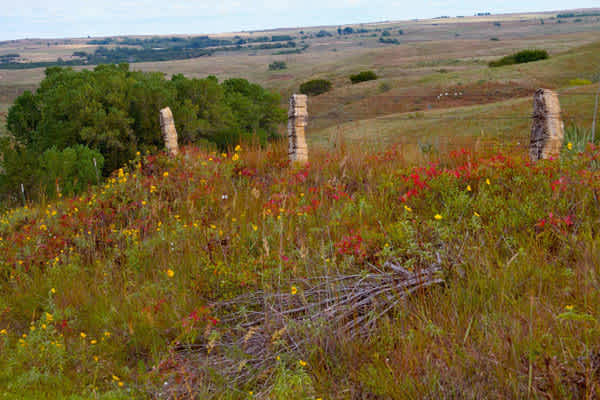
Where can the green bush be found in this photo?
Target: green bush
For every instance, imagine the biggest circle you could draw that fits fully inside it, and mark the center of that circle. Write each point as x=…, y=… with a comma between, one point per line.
x=115, y=111
x=69, y=171
x=315, y=87
x=363, y=77
x=277, y=65
x=24, y=173
x=521, y=57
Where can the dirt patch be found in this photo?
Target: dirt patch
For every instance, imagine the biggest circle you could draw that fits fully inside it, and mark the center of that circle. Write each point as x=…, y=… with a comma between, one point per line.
x=280, y=77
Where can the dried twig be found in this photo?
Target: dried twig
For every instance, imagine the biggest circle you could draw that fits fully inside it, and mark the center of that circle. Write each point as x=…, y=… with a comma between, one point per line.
x=261, y=325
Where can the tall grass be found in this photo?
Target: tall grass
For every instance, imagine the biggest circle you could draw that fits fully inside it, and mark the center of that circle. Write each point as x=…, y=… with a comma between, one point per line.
x=121, y=292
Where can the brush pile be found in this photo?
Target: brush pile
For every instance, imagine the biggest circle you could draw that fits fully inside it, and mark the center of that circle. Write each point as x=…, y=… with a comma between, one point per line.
x=258, y=328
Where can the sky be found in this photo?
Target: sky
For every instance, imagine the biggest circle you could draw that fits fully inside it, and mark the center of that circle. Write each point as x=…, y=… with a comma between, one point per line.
x=82, y=18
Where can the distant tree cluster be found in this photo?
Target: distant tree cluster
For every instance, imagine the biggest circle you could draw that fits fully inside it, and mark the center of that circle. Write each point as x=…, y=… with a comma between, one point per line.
x=113, y=113
x=521, y=57
x=583, y=14
x=129, y=50
x=388, y=40
x=323, y=33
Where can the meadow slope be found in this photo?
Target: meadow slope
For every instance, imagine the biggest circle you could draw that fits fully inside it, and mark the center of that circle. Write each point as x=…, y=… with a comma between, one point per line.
x=142, y=287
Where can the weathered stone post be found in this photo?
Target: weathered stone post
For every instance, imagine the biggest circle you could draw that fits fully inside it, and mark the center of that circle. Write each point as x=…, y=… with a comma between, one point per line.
x=297, y=120
x=547, y=130
x=167, y=126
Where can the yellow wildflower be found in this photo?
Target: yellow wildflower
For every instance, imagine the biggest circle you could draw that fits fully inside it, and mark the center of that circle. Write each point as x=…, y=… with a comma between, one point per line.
x=3, y=332
x=165, y=174
x=93, y=341
x=438, y=217
x=170, y=273
x=407, y=208
x=116, y=378
x=235, y=157
x=294, y=290
x=475, y=213
x=52, y=291
x=238, y=148
x=469, y=188
x=570, y=146
x=120, y=384
x=487, y=181
x=302, y=363
x=254, y=227
x=107, y=333
x=83, y=335
x=49, y=316
x=569, y=308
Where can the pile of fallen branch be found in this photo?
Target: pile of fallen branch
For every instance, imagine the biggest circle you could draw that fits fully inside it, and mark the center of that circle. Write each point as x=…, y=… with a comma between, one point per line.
x=258, y=327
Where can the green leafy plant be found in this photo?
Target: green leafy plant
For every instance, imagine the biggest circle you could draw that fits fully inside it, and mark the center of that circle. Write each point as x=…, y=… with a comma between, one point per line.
x=363, y=76
x=277, y=65
x=315, y=87
x=524, y=56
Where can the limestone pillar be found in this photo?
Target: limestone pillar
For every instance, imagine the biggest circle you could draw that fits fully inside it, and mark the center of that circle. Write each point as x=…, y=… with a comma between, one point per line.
x=547, y=130
x=297, y=120
x=167, y=126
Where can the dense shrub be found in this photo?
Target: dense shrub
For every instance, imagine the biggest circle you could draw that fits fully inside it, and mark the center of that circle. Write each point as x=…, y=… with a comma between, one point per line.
x=114, y=112
x=277, y=65
x=315, y=87
x=363, y=77
x=69, y=171
x=521, y=57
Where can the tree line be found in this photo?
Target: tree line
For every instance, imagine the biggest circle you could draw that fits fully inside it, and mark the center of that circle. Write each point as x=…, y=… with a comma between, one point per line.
x=131, y=50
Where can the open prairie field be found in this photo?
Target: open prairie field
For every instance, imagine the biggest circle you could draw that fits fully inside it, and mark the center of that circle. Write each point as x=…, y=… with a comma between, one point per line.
x=420, y=254
x=433, y=57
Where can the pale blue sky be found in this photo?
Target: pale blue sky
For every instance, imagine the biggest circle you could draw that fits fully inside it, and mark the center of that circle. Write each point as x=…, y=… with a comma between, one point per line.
x=80, y=18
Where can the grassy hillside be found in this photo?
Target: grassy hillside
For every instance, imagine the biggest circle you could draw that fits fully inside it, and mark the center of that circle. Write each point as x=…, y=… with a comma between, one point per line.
x=433, y=55
x=198, y=276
